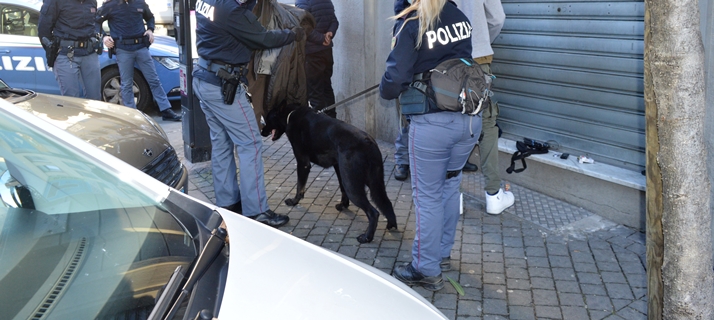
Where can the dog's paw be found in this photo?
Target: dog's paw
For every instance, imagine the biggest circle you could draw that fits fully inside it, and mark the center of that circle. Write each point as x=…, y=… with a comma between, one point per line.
x=341, y=206
x=291, y=202
x=363, y=238
x=391, y=225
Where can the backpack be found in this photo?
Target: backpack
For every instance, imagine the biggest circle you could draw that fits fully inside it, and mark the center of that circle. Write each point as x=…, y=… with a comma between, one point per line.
x=460, y=85
x=526, y=148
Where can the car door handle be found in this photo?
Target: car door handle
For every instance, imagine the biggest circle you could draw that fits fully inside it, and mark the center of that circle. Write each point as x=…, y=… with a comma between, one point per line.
x=4, y=51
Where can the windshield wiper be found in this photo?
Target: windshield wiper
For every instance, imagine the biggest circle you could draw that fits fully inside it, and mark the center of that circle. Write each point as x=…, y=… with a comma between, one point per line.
x=169, y=297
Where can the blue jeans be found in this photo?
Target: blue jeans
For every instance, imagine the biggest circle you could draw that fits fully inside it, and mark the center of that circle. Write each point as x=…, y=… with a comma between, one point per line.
x=401, y=145
x=79, y=77
x=234, y=130
x=142, y=58
x=438, y=142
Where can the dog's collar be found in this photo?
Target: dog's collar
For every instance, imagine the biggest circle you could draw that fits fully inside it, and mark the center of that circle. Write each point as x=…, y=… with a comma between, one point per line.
x=289, y=114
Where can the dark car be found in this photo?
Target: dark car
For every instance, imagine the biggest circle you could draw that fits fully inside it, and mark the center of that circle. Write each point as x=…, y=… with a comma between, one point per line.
x=125, y=133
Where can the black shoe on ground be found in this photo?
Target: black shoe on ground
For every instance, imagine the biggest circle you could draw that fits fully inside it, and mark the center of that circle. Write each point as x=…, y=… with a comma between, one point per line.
x=406, y=273
x=271, y=218
x=236, y=207
x=401, y=172
x=445, y=264
x=170, y=115
x=470, y=167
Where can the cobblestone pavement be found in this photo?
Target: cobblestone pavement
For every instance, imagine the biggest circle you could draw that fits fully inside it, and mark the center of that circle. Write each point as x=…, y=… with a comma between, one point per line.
x=540, y=259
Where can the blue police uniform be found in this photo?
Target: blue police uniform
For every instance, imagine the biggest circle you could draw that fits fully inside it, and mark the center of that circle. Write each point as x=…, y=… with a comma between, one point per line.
x=439, y=142
x=77, y=66
x=227, y=32
x=126, y=26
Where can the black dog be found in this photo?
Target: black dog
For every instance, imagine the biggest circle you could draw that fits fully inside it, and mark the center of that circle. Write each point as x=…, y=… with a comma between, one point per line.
x=329, y=142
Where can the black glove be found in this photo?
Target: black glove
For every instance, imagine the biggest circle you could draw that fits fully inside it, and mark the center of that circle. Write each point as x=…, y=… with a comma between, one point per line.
x=299, y=33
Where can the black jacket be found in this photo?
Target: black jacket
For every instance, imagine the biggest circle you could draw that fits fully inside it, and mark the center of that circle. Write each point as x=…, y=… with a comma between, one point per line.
x=325, y=21
x=68, y=20
x=126, y=22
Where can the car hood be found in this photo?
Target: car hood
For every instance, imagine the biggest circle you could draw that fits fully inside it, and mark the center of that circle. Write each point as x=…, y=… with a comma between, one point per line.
x=274, y=275
x=123, y=132
x=164, y=46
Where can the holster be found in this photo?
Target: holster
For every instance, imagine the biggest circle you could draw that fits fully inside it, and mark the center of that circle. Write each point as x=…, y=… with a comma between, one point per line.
x=52, y=49
x=229, y=85
x=112, y=51
x=96, y=43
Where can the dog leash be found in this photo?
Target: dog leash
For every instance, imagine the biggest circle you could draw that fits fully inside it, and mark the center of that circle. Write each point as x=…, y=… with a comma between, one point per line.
x=349, y=99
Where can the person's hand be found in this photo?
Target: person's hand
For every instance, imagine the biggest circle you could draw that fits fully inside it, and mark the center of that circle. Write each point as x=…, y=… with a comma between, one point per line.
x=150, y=34
x=299, y=33
x=328, y=38
x=108, y=42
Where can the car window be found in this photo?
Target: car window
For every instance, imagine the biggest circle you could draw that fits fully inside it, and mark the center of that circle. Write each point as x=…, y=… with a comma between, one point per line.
x=77, y=241
x=19, y=20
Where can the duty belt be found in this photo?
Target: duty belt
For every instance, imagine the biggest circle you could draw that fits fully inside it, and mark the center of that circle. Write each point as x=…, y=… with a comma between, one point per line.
x=75, y=44
x=215, y=65
x=132, y=41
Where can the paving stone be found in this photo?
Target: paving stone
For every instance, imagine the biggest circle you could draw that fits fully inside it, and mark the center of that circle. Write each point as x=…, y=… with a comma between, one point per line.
x=619, y=291
x=542, y=283
x=540, y=272
x=538, y=262
x=495, y=267
x=519, y=298
x=548, y=312
x=494, y=291
x=444, y=301
x=518, y=284
x=567, y=286
x=571, y=299
x=594, y=289
x=613, y=277
x=545, y=297
x=469, y=308
x=521, y=312
x=495, y=306
x=601, y=303
x=564, y=274
x=574, y=313
x=494, y=278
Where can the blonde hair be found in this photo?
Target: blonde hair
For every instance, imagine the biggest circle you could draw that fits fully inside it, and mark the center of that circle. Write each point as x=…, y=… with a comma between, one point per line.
x=427, y=11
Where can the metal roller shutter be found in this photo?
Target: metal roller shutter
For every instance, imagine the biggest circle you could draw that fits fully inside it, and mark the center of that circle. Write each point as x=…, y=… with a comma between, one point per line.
x=573, y=72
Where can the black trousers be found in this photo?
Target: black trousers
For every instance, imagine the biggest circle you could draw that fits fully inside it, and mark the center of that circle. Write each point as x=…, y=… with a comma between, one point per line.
x=318, y=69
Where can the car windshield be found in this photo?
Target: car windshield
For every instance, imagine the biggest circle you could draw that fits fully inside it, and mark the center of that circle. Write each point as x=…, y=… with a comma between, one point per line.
x=76, y=240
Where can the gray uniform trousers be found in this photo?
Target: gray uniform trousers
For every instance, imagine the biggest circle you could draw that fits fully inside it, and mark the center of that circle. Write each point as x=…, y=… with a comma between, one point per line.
x=79, y=77
x=438, y=142
x=234, y=129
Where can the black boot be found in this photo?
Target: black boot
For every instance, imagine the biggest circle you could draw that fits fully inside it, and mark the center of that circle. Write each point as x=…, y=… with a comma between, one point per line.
x=401, y=172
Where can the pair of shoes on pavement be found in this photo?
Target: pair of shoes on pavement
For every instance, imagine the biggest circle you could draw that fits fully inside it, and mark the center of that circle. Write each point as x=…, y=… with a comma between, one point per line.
x=470, y=167
x=170, y=115
x=495, y=204
x=271, y=218
x=407, y=274
x=401, y=172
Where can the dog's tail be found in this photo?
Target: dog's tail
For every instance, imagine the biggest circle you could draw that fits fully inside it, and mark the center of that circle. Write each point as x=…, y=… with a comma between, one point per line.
x=378, y=192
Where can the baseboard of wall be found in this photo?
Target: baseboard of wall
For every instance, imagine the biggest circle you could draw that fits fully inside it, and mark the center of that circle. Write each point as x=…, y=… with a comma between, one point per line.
x=611, y=192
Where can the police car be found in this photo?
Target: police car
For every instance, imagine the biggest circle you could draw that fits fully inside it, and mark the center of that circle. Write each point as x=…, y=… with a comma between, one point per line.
x=23, y=65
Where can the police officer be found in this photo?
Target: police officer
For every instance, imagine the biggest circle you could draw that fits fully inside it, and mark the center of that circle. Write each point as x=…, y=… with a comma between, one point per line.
x=226, y=33
x=131, y=40
x=439, y=141
x=70, y=25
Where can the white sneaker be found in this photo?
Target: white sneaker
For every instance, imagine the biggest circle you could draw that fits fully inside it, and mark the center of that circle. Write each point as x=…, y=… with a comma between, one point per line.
x=495, y=204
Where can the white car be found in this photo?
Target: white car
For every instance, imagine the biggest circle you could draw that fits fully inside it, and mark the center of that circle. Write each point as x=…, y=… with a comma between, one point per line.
x=83, y=235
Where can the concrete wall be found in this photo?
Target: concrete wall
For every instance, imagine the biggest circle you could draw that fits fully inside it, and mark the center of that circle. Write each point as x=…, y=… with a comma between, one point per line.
x=361, y=47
